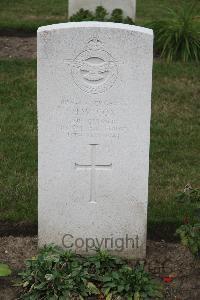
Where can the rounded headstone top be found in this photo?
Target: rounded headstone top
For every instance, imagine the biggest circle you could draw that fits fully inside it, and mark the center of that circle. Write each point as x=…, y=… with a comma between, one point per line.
x=94, y=24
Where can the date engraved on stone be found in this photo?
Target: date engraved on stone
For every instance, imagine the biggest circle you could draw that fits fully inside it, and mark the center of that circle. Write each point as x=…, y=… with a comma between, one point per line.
x=94, y=70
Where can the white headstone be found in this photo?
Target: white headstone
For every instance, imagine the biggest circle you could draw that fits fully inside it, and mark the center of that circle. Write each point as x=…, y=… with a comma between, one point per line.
x=94, y=106
x=128, y=6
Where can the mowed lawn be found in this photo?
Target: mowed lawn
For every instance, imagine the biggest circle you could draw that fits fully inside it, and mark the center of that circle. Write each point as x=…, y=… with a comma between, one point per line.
x=175, y=140
x=30, y=14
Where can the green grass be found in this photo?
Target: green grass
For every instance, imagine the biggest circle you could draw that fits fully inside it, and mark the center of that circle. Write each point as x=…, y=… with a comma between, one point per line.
x=175, y=140
x=28, y=15
x=18, y=148
x=150, y=10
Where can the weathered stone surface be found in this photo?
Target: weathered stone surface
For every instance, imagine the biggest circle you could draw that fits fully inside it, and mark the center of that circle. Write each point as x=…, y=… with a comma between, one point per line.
x=128, y=6
x=94, y=106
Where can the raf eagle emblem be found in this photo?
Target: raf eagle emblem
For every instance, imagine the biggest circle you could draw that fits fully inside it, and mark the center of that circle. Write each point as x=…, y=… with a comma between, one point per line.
x=94, y=70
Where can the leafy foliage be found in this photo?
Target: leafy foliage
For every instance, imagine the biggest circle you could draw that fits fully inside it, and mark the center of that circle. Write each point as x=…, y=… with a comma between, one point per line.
x=101, y=15
x=56, y=274
x=190, y=237
x=189, y=195
x=190, y=234
x=178, y=36
x=130, y=284
x=102, y=263
x=4, y=270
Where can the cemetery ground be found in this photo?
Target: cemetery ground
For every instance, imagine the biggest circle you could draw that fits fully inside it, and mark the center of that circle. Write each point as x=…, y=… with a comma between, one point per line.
x=162, y=259
x=18, y=47
x=22, y=17
x=174, y=162
x=175, y=143
x=174, y=155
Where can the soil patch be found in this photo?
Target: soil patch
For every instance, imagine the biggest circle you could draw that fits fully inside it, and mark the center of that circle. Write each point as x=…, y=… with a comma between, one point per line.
x=13, y=251
x=18, y=47
x=163, y=260
x=17, y=229
x=156, y=231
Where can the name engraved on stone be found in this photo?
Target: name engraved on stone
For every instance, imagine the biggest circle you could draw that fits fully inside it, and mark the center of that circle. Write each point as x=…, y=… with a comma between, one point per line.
x=88, y=118
x=94, y=70
x=93, y=167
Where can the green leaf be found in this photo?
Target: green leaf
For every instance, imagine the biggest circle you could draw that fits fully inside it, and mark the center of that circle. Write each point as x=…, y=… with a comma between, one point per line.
x=4, y=270
x=137, y=296
x=93, y=289
x=109, y=297
x=120, y=288
x=25, y=284
x=49, y=277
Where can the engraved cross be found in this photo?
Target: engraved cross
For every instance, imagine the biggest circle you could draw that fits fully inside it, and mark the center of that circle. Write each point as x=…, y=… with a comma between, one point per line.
x=93, y=167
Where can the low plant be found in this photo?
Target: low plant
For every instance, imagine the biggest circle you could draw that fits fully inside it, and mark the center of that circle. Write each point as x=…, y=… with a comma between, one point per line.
x=58, y=274
x=130, y=284
x=55, y=274
x=190, y=233
x=4, y=270
x=82, y=15
x=177, y=37
x=189, y=195
x=102, y=263
x=190, y=237
x=102, y=15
